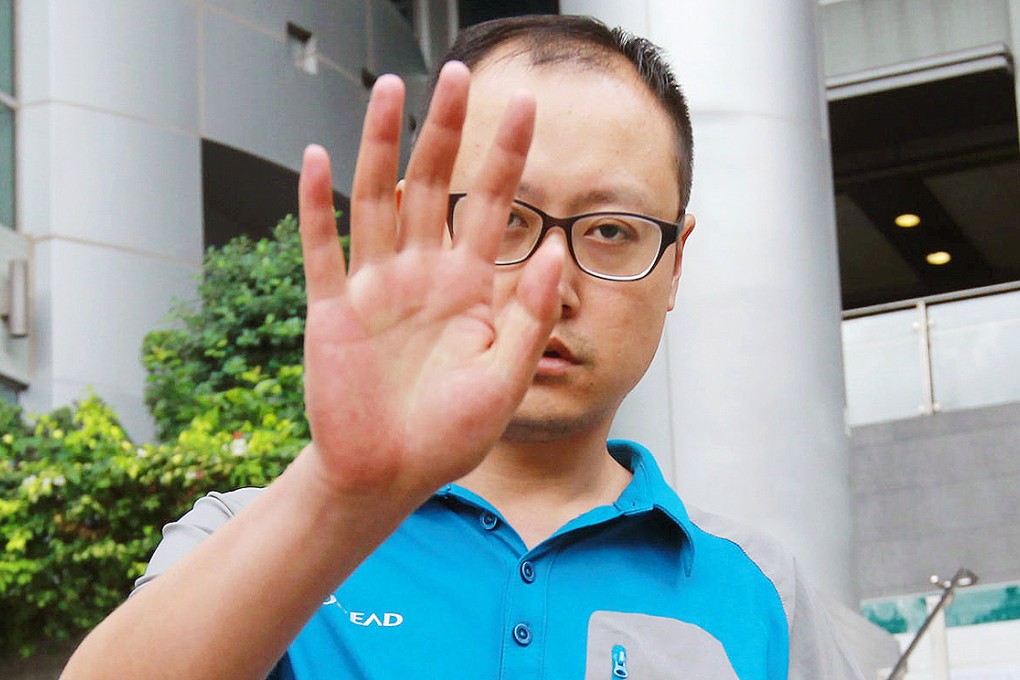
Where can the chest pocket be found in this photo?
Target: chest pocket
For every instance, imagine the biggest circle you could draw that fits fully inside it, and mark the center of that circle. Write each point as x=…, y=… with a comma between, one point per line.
x=643, y=647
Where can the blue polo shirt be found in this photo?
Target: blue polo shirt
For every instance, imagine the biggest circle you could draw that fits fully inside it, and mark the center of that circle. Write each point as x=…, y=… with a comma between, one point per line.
x=635, y=589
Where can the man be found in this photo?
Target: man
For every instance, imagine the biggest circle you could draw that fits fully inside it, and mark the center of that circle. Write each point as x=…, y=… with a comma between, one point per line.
x=458, y=512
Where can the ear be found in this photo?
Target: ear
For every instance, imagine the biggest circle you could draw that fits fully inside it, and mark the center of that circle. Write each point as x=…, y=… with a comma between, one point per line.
x=685, y=230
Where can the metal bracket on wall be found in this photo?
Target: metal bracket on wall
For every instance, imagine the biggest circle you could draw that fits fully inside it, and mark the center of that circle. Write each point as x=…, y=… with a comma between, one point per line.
x=14, y=298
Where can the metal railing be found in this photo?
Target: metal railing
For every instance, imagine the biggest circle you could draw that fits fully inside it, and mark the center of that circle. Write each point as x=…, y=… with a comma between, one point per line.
x=962, y=579
x=923, y=374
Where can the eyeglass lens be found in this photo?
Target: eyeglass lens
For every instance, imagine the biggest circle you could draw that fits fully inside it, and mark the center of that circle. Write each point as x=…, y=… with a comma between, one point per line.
x=616, y=245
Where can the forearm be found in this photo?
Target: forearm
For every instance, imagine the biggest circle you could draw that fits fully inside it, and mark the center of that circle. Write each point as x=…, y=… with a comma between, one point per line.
x=230, y=608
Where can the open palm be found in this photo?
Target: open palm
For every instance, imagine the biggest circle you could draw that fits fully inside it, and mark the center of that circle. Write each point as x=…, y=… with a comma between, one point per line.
x=411, y=373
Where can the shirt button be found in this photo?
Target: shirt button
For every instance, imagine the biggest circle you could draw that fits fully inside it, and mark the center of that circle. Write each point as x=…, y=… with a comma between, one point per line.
x=522, y=634
x=528, y=572
x=489, y=521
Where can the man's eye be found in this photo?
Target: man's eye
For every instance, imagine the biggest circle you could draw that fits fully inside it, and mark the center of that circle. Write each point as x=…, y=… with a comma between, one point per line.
x=611, y=232
x=515, y=221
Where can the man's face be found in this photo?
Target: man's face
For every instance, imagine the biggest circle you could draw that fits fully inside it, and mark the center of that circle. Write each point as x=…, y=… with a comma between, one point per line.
x=602, y=143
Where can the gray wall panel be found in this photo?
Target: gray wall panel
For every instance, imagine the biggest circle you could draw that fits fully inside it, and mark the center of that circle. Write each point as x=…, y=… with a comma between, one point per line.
x=862, y=34
x=932, y=494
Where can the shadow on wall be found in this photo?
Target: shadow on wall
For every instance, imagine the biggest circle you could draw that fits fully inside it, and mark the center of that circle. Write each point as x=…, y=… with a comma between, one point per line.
x=244, y=194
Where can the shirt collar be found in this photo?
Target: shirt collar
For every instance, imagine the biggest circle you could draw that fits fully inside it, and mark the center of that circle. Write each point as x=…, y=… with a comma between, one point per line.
x=647, y=491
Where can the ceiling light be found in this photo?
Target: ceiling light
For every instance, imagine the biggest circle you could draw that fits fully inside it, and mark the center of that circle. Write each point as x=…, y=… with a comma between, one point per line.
x=938, y=257
x=907, y=220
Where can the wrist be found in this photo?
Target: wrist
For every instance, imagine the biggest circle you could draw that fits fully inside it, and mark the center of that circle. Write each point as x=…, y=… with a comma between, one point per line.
x=376, y=508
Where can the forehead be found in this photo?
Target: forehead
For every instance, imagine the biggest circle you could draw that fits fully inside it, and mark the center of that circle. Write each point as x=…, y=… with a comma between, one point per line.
x=597, y=125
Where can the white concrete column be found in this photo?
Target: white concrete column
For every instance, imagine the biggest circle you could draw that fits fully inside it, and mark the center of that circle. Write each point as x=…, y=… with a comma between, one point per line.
x=115, y=100
x=752, y=355
x=1014, y=31
x=109, y=189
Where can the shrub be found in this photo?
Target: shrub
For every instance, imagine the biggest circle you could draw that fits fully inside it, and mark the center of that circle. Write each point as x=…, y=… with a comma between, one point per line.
x=83, y=505
x=250, y=315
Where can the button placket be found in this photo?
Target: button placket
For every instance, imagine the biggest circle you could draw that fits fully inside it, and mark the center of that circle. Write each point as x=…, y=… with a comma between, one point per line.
x=525, y=612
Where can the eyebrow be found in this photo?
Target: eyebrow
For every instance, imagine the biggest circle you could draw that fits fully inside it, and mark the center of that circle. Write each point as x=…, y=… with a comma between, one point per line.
x=620, y=196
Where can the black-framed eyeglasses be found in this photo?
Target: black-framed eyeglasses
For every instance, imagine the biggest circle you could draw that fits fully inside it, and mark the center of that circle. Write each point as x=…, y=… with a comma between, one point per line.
x=617, y=246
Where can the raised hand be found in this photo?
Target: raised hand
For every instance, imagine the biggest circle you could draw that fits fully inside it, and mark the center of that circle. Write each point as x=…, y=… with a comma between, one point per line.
x=411, y=376
x=411, y=373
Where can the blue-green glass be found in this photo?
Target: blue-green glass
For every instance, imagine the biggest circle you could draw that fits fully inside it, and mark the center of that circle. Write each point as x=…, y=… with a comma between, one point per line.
x=6, y=167
x=984, y=605
x=7, y=393
x=896, y=614
x=7, y=46
x=971, y=606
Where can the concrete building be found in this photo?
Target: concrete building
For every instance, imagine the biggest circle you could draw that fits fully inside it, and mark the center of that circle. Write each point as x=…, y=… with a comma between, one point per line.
x=820, y=378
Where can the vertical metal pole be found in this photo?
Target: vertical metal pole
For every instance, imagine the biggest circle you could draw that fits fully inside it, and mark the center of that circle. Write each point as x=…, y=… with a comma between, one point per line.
x=928, y=405
x=939, y=637
x=936, y=623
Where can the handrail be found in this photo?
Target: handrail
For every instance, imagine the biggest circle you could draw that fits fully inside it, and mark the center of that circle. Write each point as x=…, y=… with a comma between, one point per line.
x=983, y=291
x=962, y=579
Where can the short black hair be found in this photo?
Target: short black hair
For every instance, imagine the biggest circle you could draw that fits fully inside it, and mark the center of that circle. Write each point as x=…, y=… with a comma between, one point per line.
x=549, y=39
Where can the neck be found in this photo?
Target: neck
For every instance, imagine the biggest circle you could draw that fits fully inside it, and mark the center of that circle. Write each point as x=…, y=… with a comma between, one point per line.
x=540, y=486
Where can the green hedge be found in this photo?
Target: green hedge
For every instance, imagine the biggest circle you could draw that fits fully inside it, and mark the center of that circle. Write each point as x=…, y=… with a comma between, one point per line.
x=250, y=314
x=82, y=505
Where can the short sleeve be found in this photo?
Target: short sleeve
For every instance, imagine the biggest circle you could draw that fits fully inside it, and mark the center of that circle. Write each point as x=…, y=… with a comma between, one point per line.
x=179, y=538
x=816, y=649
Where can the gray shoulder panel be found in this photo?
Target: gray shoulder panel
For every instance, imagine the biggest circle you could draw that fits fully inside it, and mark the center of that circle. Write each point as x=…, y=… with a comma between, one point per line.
x=179, y=538
x=816, y=650
x=765, y=551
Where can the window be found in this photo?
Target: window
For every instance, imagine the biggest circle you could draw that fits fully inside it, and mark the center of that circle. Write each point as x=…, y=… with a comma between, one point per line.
x=6, y=166
x=7, y=392
x=7, y=106
x=7, y=46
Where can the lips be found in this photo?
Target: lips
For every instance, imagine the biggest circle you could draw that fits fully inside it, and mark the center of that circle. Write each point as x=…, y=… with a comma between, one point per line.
x=556, y=360
x=555, y=349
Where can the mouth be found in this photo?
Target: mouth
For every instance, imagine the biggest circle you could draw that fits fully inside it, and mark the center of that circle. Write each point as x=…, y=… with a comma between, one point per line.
x=555, y=349
x=556, y=360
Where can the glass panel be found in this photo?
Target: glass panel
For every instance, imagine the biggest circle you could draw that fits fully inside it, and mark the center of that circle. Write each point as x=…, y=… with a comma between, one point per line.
x=970, y=606
x=7, y=46
x=8, y=393
x=6, y=167
x=975, y=351
x=903, y=614
x=882, y=359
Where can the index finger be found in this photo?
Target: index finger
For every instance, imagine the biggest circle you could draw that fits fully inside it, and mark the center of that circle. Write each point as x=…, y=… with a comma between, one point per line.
x=320, y=247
